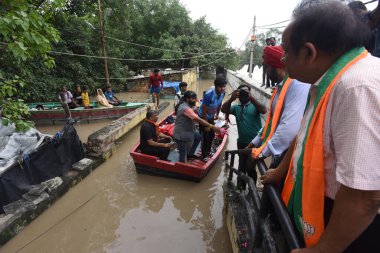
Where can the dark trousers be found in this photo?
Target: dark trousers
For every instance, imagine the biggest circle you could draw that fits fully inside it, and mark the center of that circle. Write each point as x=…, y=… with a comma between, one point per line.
x=207, y=138
x=246, y=164
x=276, y=160
x=72, y=105
x=186, y=148
x=265, y=77
x=368, y=241
x=160, y=152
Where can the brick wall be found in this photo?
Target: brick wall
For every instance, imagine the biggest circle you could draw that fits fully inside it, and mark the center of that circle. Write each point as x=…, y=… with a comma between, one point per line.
x=141, y=84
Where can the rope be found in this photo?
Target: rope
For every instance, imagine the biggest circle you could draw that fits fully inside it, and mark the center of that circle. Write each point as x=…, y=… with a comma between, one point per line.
x=125, y=59
x=128, y=59
x=163, y=49
x=276, y=27
x=261, y=26
x=54, y=225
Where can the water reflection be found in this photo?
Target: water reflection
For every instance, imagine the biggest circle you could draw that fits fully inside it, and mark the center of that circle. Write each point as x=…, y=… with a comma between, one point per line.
x=174, y=215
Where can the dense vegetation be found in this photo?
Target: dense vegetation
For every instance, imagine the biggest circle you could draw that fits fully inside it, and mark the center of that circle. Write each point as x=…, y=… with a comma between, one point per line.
x=38, y=41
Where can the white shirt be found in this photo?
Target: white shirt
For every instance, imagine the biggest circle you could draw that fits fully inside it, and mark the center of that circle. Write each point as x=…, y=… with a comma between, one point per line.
x=67, y=97
x=177, y=97
x=351, y=133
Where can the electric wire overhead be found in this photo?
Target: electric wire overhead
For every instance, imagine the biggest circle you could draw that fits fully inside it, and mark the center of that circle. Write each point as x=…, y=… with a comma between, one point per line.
x=275, y=27
x=164, y=49
x=262, y=26
x=118, y=78
x=126, y=59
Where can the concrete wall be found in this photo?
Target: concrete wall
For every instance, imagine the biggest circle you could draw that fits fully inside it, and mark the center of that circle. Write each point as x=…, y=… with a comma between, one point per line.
x=257, y=92
x=141, y=84
x=101, y=144
x=190, y=77
x=235, y=79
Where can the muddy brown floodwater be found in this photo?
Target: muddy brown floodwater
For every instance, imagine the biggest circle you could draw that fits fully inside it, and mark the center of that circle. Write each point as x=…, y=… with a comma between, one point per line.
x=114, y=209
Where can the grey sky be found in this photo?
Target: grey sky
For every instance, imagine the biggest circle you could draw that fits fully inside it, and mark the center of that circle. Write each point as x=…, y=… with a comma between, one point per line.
x=235, y=18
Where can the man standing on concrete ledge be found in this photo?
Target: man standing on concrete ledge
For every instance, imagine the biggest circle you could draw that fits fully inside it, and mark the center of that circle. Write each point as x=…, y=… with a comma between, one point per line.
x=287, y=105
x=248, y=120
x=155, y=80
x=332, y=189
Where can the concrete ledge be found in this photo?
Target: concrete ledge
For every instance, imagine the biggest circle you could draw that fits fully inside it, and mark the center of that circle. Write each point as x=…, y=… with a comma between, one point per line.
x=139, y=84
x=241, y=79
x=102, y=141
x=27, y=209
x=101, y=144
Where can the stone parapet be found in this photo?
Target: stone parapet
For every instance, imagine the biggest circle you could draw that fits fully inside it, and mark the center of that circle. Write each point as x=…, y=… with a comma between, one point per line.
x=20, y=213
x=140, y=84
x=261, y=94
x=101, y=144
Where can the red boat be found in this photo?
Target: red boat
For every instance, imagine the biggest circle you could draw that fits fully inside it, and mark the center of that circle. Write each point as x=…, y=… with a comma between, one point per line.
x=194, y=169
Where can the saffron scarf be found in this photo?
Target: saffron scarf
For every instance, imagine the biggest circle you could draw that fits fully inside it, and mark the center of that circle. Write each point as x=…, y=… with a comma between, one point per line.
x=156, y=125
x=272, y=120
x=304, y=189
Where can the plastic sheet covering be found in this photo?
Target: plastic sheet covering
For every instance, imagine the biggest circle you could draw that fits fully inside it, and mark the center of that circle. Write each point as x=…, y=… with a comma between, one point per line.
x=175, y=85
x=53, y=157
x=14, y=145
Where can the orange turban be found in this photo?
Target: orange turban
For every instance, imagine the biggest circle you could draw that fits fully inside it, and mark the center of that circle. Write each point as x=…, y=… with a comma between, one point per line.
x=272, y=56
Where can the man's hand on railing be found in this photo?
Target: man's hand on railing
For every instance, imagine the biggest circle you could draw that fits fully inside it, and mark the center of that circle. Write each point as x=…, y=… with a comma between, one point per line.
x=271, y=177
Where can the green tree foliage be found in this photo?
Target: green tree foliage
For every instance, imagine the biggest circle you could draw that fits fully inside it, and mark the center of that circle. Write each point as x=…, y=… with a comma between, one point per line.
x=24, y=35
x=52, y=43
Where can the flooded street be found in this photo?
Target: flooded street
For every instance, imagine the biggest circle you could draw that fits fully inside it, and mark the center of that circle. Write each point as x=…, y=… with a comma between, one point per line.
x=114, y=209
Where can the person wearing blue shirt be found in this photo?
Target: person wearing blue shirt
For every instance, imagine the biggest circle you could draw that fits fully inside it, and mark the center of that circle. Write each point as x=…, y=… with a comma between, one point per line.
x=209, y=109
x=112, y=99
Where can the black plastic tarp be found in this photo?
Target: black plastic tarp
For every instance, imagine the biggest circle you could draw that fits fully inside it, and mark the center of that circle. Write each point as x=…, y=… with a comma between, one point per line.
x=53, y=158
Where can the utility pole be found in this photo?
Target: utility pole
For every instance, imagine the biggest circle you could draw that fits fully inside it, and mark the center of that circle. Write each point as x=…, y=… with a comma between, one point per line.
x=103, y=43
x=252, y=47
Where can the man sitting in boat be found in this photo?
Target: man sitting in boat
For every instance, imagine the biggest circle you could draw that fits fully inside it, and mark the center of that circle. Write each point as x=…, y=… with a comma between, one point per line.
x=86, y=98
x=186, y=138
x=78, y=96
x=150, y=142
x=102, y=101
x=112, y=99
x=210, y=107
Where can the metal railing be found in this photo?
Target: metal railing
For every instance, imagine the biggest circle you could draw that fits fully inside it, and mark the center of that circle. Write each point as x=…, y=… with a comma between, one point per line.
x=270, y=201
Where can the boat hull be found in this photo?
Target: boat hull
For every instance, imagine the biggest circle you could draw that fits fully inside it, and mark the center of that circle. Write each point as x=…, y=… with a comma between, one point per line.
x=57, y=114
x=194, y=170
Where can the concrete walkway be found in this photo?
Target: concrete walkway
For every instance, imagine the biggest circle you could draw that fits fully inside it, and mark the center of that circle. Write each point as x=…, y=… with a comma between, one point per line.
x=236, y=78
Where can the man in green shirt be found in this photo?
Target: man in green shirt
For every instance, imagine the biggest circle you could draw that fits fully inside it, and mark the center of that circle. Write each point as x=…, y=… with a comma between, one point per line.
x=248, y=120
